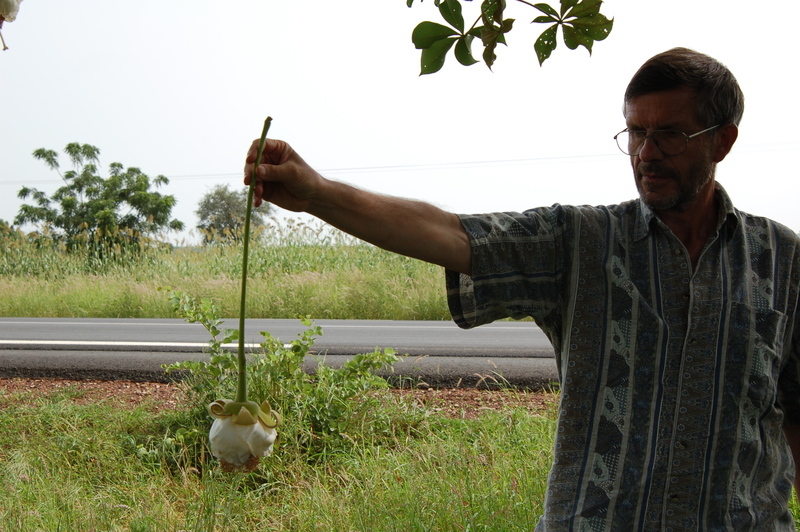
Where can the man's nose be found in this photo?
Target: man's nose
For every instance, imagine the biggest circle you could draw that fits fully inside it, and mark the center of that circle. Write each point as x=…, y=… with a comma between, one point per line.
x=650, y=150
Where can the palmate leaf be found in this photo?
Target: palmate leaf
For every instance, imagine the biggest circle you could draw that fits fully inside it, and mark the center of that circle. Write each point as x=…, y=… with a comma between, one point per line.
x=581, y=23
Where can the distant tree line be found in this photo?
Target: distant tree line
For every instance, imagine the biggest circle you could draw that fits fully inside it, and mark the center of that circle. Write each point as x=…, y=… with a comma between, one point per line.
x=123, y=207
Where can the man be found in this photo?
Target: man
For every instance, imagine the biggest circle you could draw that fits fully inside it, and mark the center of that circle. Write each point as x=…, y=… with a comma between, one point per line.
x=673, y=317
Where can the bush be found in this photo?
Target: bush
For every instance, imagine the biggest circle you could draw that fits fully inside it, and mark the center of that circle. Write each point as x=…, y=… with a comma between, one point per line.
x=324, y=413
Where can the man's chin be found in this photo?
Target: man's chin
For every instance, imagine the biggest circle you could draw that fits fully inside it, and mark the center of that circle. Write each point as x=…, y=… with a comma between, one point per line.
x=658, y=201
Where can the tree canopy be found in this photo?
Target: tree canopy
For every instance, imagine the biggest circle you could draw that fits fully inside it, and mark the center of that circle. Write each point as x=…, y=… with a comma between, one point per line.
x=580, y=21
x=122, y=206
x=221, y=214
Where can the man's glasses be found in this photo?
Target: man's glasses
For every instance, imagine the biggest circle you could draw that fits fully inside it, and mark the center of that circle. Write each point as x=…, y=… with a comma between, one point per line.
x=669, y=141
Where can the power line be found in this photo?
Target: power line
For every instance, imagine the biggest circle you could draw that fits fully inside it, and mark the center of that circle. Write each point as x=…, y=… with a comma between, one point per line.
x=361, y=169
x=440, y=166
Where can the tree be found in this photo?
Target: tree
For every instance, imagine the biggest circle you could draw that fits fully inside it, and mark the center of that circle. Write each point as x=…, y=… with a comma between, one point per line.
x=121, y=207
x=221, y=213
x=580, y=21
x=8, y=232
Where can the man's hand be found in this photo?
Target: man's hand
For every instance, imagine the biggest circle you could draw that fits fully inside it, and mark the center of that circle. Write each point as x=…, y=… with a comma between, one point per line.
x=283, y=177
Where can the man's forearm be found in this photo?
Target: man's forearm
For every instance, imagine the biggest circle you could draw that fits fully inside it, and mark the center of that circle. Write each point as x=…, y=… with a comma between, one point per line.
x=413, y=228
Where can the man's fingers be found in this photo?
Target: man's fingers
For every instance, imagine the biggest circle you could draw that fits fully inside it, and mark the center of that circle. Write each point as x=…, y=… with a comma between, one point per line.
x=252, y=151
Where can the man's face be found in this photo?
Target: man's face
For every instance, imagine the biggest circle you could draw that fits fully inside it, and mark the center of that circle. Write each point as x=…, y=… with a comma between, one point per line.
x=671, y=182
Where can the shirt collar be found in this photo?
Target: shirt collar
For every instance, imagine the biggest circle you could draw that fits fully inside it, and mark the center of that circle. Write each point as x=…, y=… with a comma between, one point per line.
x=645, y=215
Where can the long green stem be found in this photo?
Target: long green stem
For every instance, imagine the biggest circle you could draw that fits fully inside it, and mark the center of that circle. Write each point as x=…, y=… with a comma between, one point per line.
x=241, y=389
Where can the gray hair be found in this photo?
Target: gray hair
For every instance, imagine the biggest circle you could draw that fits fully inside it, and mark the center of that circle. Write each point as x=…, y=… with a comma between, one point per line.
x=719, y=99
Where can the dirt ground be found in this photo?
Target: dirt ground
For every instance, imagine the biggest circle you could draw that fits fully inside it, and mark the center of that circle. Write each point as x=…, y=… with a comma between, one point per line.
x=454, y=402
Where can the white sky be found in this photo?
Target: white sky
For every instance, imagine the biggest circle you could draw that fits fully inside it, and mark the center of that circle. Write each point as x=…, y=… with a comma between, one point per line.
x=182, y=91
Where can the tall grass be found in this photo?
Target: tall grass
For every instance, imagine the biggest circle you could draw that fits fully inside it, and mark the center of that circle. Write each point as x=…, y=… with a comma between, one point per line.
x=295, y=269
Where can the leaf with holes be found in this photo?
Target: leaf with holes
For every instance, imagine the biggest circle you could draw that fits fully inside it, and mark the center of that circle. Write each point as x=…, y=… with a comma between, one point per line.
x=546, y=43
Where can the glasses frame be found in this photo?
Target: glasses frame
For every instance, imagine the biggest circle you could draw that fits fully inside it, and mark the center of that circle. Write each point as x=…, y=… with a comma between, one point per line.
x=651, y=136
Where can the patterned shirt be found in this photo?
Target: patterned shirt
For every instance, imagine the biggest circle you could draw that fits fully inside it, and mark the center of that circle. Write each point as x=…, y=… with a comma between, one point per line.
x=675, y=384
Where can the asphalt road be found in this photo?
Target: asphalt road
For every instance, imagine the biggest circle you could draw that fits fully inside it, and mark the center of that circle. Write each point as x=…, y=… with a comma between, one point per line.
x=438, y=353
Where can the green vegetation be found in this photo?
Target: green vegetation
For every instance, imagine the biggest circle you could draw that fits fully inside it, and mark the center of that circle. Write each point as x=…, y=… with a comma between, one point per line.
x=295, y=269
x=580, y=21
x=90, y=209
x=66, y=466
x=317, y=410
x=221, y=214
x=351, y=454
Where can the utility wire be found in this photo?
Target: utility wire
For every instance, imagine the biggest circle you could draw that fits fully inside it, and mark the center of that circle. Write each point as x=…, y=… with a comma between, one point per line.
x=440, y=166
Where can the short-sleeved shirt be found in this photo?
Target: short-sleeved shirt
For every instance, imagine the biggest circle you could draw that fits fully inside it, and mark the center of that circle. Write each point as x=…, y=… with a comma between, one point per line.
x=675, y=382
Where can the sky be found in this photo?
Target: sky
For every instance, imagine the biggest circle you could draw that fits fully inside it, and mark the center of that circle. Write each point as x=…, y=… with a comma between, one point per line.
x=182, y=91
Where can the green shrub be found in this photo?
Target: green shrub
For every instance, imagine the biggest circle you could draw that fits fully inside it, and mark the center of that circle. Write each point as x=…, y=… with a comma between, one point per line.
x=324, y=413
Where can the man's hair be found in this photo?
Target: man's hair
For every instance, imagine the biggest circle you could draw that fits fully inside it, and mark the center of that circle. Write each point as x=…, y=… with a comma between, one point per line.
x=719, y=98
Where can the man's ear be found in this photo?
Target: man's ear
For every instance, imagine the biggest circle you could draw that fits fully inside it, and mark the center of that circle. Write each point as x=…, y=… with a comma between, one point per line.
x=725, y=138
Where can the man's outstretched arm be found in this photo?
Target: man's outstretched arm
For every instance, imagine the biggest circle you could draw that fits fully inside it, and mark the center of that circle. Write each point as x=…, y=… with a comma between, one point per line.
x=408, y=227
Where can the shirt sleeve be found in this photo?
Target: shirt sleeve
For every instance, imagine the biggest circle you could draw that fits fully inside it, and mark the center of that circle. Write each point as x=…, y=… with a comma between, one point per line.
x=518, y=264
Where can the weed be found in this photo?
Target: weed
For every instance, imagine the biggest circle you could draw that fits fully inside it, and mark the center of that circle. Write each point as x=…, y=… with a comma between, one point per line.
x=324, y=413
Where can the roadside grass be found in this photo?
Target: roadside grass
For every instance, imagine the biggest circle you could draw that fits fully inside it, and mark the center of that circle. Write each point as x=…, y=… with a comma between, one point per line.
x=68, y=466
x=294, y=270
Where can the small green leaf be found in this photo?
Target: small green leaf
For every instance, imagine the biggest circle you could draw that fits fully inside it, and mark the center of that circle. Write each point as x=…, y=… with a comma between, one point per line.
x=566, y=5
x=451, y=12
x=409, y=2
x=433, y=57
x=596, y=27
x=547, y=10
x=545, y=19
x=463, y=51
x=574, y=38
x=546, y=43
x=492, y=11
x=585, y=8
x=489, y=56
x=427, y=33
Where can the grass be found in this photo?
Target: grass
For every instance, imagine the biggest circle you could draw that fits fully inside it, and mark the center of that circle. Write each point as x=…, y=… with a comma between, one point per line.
x=294, y=270
x=66, y=466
